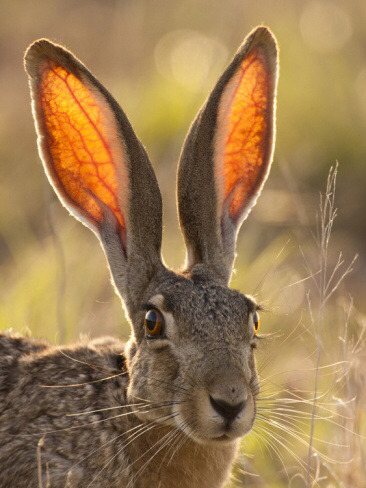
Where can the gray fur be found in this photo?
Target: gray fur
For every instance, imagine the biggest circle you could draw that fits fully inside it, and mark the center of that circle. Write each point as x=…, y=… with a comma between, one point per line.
x=104, y=414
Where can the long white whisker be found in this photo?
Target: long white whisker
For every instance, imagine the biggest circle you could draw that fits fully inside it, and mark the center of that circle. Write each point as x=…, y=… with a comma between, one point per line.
x=137, y=428
x=164, y=440
x=148, y=428
x=269, y=443
x=291, y=428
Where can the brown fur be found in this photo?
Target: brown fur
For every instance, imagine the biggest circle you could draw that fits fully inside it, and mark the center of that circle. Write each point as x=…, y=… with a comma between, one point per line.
x=164, y=411
x=27, y=371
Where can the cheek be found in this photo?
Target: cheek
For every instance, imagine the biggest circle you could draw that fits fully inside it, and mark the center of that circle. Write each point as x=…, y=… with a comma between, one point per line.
x=162, y=372
x=152, y=375
x=252, y=366
x=138, y=373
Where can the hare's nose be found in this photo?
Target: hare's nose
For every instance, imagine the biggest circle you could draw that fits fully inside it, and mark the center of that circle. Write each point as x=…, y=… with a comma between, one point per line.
x=227, y=410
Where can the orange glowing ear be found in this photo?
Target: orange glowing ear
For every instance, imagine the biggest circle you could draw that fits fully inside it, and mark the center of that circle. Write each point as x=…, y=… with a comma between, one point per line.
x=78, y=136
x=97, y=165
x=227, y=154
x=244, y=133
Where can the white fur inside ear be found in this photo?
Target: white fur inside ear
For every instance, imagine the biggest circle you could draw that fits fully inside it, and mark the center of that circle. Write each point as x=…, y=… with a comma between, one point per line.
x=221, y=135
x=117, y=147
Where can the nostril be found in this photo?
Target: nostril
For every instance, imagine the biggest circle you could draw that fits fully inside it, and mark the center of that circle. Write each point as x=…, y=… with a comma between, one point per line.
x=227, y=410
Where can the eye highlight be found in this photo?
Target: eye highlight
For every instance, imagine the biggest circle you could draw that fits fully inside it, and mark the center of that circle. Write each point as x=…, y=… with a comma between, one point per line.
x=256, y=322
x=153, y=323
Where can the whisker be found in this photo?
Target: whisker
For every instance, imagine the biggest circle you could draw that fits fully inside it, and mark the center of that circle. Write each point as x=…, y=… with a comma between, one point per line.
x=125, y=414
x=177, y=387
x=184, y=437
x=275, y=353
x=73, y=385
x=291, y=420
x=174, y=441
x=302, y=441
x=269, y=443
x=291, y=428
x=277, y=406
x=148, y=428
x=136, y=428
x=288, y=449
x=92, y=366
x=308, y=370
x=165, y=441
x=184, y=440
x=291, y=413
x=145, y=403
x=104, y=409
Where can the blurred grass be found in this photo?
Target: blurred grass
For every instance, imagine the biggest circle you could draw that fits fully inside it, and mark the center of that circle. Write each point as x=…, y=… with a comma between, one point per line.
x=160, y=59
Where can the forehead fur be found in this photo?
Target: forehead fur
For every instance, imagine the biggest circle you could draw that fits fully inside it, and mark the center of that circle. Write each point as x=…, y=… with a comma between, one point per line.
x=199, y=301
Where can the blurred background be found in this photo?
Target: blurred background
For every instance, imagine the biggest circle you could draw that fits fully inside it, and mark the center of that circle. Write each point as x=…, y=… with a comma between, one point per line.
x=160, y=59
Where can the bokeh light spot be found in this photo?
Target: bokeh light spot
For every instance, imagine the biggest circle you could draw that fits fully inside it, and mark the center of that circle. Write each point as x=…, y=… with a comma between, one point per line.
x=189, y=57
x=325, y=26
x=360, y=87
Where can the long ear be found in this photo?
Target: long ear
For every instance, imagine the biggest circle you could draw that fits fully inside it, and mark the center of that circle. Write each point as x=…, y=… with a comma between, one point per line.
x=227, y=154
x=96, y=164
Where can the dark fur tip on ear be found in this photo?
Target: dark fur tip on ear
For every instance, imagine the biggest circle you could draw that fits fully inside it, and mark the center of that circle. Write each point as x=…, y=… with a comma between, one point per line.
x=263, y=37
x=42, y=50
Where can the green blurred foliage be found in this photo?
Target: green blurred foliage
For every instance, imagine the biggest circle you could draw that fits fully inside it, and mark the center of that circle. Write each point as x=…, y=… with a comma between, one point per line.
x=160, y=59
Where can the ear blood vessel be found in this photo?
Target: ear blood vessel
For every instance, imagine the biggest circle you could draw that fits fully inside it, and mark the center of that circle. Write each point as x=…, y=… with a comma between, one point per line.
x=106, y=414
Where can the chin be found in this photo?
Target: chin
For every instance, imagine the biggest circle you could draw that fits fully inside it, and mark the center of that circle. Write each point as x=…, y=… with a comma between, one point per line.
x=217, y=435
x=229, y=435
x=220, y=440
x=225, y=439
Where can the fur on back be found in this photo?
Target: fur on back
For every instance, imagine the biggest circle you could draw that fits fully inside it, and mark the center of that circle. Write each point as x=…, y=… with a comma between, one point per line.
x=63, y=412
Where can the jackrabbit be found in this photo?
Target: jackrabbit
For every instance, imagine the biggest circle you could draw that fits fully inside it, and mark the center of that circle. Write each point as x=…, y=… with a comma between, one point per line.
x=168, y=408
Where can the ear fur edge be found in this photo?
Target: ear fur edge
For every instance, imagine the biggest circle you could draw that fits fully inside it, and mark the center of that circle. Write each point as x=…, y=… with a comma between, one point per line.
x=209, y=239
x=44, y=49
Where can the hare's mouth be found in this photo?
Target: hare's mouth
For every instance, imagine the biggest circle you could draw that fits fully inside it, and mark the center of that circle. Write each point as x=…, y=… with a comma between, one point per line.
x=231, y=433
x=205, y=424
x=226, y=436
x=205, y=432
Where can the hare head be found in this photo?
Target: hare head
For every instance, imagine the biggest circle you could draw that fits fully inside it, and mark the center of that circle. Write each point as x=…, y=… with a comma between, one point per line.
x=192, y=341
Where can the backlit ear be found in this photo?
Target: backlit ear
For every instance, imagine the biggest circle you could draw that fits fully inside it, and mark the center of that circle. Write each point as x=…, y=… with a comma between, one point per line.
x=78, y=136
x=244, y=133
x=95, y=162
x=227, y=154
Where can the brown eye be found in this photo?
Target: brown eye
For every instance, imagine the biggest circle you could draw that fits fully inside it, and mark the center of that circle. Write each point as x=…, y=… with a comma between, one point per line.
x=256, y=322
x=153, y=323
